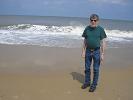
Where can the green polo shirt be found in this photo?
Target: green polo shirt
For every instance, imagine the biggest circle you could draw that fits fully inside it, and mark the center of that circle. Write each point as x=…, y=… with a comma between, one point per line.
x=93, y=36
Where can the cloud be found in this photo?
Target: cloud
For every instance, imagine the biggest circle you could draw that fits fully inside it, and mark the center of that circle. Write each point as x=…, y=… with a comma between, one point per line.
x=119, y=2
x=54, y=2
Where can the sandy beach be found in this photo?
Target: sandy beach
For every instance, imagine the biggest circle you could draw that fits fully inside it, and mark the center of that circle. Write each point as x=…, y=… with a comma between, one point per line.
x=53, y=73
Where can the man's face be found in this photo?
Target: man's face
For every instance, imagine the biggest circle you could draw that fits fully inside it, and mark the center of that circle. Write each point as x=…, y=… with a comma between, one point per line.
x=93, y=22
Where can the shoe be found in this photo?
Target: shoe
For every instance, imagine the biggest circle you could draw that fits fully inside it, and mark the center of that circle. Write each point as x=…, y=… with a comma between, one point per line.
x=92, y=88
x=84, y=86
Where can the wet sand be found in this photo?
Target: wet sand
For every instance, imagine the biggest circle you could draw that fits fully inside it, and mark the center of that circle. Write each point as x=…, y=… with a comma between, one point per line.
x=51, y=73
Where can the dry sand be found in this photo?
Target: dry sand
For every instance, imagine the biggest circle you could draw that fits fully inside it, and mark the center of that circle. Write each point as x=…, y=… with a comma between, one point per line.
x=49, y=73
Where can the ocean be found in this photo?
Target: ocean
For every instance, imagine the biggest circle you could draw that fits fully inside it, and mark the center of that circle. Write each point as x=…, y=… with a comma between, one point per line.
x=60, y=31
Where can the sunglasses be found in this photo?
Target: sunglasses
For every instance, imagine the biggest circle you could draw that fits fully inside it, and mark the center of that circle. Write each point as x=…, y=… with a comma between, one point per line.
x=93, y=20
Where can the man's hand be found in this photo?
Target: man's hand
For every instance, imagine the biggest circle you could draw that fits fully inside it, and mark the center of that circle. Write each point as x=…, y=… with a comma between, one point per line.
x=102, y=58
x=83, y=54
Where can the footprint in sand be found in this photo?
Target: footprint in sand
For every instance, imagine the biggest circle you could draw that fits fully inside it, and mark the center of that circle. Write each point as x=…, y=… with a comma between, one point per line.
x=15, y=97
x=100, y=98
x=68, y=92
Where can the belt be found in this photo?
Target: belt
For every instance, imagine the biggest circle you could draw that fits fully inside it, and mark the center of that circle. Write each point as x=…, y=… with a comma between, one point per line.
x=93, y=49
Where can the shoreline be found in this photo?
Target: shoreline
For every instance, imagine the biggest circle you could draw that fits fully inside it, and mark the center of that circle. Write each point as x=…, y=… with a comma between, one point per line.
x=42, y=58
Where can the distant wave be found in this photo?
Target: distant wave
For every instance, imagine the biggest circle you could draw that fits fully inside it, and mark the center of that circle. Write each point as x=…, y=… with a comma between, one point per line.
x=53, y=35
x=41, y=28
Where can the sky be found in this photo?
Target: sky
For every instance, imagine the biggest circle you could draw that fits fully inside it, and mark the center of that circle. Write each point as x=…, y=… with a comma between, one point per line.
x=107, y=9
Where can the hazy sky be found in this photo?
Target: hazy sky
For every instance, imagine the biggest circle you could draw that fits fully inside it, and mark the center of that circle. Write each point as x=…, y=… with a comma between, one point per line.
x=108, y=9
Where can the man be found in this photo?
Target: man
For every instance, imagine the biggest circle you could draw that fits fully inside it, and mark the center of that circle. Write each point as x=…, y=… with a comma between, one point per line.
x=93, y=49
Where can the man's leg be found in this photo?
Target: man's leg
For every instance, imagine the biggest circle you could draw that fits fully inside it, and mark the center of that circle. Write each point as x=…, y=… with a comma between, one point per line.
x=96, y=65
x=88, y=60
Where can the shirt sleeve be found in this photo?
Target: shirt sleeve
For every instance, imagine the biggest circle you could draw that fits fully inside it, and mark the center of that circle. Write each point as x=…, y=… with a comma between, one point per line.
x=103, y=34
x=84, y=33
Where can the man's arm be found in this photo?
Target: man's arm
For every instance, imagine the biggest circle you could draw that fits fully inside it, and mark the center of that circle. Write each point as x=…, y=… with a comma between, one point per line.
x=84, y=48
x=103, y=45
x=102, y=49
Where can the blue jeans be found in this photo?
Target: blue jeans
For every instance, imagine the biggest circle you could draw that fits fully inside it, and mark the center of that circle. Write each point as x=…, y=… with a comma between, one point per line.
x=95, y=56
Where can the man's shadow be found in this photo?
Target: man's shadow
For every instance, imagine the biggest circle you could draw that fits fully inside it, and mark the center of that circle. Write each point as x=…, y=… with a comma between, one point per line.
x=77, y=76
